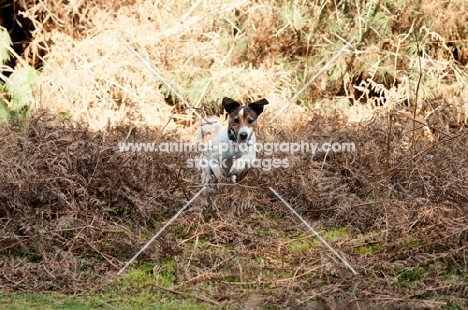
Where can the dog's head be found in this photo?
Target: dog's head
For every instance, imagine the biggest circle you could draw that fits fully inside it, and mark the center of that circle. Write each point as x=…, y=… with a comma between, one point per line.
x=243, y=119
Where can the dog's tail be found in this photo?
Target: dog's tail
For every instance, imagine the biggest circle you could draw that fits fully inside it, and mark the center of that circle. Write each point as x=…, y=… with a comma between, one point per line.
x=212, y=122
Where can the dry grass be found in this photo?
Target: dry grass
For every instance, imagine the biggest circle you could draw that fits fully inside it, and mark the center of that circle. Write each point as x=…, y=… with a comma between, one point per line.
x=245, y=50
x=73, y=209
x=99, y=80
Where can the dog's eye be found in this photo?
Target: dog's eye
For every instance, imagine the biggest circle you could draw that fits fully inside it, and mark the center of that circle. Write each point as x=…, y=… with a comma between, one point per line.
x=236, y=120
x=251, y=121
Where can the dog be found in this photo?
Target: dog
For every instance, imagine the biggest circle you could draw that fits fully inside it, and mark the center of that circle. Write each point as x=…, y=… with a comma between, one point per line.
x=233, y=146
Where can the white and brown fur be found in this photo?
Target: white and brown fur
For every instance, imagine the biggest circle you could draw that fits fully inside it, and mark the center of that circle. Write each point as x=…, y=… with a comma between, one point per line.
x=242, y=121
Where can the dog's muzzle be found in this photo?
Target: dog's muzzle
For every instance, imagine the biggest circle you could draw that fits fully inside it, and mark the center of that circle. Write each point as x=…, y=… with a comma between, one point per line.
x=244, y=140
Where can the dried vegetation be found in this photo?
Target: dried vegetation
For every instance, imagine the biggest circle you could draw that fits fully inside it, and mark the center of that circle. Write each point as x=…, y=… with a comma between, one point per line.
x=74, y=209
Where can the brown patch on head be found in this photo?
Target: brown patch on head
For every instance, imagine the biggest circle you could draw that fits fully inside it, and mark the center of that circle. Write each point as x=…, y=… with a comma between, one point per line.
x=242, y=116
x=242, y=119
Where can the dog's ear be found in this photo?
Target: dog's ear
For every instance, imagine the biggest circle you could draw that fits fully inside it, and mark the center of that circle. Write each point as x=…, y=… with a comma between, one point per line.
x=230, y=105
x=257, y=106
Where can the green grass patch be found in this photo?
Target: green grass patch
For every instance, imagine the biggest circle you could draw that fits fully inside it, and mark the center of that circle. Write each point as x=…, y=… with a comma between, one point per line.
x=407, y=244
x=300, y=246
x=408, y=279
x=273, y=216
x=143, y=276
x=44, y=301
x=371, y=248
x=369, y=243
x=335, y=235
x=149, y=300
x=138, y=289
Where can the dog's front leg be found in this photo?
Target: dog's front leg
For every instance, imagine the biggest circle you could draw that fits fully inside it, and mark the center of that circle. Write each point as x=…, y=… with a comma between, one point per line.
x=207, y=179
x=211, y=173
x=233, y=178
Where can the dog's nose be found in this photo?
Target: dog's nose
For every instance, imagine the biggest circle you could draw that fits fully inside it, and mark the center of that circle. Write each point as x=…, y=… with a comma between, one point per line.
x=243, y=136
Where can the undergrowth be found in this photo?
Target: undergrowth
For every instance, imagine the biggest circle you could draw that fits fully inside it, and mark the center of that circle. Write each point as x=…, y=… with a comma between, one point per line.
x=73, y=209
x=76, y=209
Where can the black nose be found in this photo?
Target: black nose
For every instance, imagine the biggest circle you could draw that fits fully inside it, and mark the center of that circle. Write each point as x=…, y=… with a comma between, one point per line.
x=243, y=136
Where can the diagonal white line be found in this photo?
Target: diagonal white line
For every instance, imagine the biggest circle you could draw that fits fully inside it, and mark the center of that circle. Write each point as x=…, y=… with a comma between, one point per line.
x=327, y=65
x=160, y=231
x=315, y=233
x=150, y=68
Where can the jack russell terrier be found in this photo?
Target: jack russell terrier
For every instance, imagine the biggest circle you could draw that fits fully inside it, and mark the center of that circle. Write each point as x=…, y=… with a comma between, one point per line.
x=232, y=146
